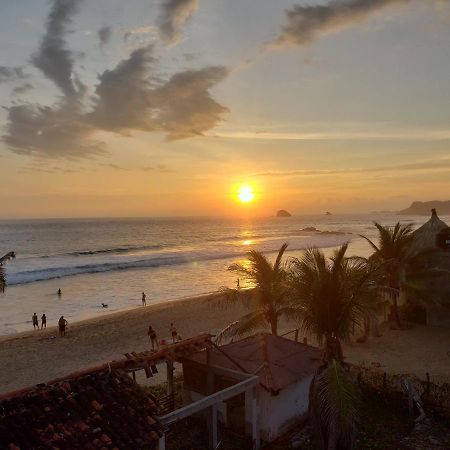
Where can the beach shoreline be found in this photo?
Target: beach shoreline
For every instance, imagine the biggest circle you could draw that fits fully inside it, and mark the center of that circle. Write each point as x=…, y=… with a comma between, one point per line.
x=33, y=357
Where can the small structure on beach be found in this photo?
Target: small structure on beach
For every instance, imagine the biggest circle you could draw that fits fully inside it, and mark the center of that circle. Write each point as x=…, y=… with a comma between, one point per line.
x=434, y=237
x=93, y=409
x=284, y=369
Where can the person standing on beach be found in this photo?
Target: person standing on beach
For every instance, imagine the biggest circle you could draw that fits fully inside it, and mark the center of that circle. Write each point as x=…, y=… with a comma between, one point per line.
x=59, y=292
x=34, y=318
x=173, y=332
x=153, y=338
x=144, y=299
x=62, y=323
x=43, y=321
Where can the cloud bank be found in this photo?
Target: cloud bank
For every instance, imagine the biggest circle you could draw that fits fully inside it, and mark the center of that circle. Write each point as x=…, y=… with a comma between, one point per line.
x=126, y=98
x=175, y=14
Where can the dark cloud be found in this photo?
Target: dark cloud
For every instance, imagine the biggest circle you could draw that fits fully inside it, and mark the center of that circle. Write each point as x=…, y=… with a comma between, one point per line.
x=130, y=98
x=23, y=89
x=104, y=35
x=123, y=94
x=55, y=132
x=185, y=106
x=305, y=23
x=53, y=58
x=8, y=74
x=174, y=15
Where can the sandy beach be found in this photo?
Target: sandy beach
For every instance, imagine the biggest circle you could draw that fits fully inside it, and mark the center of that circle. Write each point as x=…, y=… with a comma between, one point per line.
x=37, y=356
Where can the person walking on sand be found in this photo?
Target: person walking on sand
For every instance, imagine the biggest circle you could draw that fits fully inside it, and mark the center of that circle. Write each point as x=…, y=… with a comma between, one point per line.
x=173, y=332
x=62, y=323
x=59, y=292
x=144, y=299
x=153, y=338
x=43, y=321
x=35, y=321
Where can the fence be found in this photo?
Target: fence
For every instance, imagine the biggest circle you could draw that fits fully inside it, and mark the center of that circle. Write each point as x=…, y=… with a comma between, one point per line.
x=434, y=396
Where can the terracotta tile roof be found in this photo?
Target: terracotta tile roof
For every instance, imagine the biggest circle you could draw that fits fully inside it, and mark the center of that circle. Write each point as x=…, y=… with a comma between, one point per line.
x=100, y=409
x=278, y=361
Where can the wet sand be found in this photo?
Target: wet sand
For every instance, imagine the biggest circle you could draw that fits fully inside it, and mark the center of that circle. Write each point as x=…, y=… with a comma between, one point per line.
x=38, y=356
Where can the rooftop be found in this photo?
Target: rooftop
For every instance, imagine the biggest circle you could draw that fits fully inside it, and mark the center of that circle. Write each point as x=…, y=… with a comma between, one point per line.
x=278, y=361
x=101, y=409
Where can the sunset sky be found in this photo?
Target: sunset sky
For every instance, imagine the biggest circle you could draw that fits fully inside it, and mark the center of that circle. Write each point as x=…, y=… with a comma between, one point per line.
x=165, y=107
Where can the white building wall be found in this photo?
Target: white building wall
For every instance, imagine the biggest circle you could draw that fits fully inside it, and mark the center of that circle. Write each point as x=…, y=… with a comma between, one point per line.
x=279, y=412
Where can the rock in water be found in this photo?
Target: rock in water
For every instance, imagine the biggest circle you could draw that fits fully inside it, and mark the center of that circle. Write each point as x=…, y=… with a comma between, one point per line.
x=283, y=213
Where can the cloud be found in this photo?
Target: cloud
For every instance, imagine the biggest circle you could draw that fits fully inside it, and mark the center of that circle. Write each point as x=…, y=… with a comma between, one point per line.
x=185, y=107
x=438, y=164
x=175, y=14
x=54, y=132
x=53, y=58
x=129, y=98
x=306, y=23
x=158, y=168
x=23, y=89
x=123, y=94
x=8, y=74
x=104, y=35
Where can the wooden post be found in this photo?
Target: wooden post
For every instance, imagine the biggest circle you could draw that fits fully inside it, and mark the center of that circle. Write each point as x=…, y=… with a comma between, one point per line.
x=170, y=369
x=254, y=417
x=162, y=443
x=212, y=427
x=296, y=335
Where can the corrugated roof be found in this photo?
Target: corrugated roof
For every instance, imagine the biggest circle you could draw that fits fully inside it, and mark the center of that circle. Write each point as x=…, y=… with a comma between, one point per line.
x=97, y=410
x=278, y=361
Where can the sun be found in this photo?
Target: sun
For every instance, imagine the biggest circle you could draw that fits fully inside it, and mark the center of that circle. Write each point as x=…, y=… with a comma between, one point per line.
x=245, y=193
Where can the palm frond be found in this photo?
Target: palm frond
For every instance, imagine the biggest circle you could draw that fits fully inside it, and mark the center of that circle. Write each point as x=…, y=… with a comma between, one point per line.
x=245, y=325
x=334, y=405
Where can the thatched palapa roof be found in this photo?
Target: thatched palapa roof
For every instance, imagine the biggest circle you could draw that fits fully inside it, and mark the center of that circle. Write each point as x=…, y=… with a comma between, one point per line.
x=425, y=236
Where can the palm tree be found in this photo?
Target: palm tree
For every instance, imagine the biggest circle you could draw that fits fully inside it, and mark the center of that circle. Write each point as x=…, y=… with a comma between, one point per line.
x=3, y=259
x=395, y=253
x=329, y=297
x=267, y=299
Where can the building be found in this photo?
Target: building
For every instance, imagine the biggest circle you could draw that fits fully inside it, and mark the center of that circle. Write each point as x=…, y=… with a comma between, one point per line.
x=94, y=409
x=284, y=367
x=433, y=240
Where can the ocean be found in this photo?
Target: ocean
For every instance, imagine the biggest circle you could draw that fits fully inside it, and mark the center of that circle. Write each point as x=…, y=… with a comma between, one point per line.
x=113, y=261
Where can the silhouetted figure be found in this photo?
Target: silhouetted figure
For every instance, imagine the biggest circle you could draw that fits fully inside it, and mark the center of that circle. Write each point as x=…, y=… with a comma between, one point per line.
x=43, y=321
x=62, y=323
x=59, y=292
x=144, y=299
x=173, y=332
x=34, y=318
x=238, y=284
x=151, y=333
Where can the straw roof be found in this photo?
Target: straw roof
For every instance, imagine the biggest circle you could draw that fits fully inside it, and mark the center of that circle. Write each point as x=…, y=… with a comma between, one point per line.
x=425, y=236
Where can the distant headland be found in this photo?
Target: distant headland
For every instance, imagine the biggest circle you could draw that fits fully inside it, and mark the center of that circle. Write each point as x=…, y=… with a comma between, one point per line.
x=424, y=208
x=283, y=213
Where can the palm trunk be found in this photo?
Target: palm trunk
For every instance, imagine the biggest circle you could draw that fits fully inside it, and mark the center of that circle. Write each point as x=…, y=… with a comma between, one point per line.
x=395, y=310
x=274, y=326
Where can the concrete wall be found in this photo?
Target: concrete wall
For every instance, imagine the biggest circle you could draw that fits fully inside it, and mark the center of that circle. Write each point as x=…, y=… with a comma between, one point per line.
x=279, y=412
